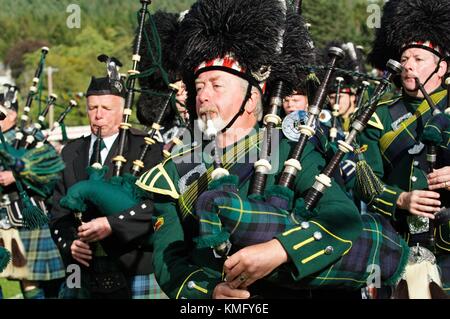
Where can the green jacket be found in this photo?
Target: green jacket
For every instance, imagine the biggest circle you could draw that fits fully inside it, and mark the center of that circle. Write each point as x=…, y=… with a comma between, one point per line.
x=183, y=271
x=395, y=155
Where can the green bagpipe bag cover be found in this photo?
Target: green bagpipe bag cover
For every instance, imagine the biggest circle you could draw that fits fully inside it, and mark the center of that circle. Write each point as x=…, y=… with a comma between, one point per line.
x=38, y=169
x=109, y=197
x=224, y=215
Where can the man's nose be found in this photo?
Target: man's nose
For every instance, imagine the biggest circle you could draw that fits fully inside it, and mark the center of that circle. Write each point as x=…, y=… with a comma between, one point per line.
x=408, y=65
x=99, y=114
x=203, y=95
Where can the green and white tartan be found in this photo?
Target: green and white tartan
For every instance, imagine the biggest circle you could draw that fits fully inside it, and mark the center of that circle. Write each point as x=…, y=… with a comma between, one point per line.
x=224, y=214
x=146, y=287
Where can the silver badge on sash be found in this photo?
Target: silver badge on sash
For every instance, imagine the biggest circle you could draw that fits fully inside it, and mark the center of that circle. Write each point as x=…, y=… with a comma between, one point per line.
x=291, y=124
x=397, y=122
x=416, y=149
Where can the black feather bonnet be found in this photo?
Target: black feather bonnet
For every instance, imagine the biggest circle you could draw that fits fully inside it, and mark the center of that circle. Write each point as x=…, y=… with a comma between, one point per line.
x=411, y=23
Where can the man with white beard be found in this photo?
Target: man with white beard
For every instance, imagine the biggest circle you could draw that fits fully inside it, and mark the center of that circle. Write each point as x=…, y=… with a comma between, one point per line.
x=225, y=89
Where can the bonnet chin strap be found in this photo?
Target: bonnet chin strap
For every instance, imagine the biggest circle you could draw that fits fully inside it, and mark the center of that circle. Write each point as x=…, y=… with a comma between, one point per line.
x=435, y=70
x=429, y=77
x=241, y=110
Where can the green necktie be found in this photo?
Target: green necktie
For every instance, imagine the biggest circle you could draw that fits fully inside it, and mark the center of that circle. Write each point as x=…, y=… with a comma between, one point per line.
x=94, y=150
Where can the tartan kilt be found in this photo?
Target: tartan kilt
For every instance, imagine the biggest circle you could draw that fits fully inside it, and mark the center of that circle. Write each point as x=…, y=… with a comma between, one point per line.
x=43, y=259
x=146, y=287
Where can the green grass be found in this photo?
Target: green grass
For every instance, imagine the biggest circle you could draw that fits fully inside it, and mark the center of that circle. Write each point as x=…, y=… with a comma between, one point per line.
x=10, y=288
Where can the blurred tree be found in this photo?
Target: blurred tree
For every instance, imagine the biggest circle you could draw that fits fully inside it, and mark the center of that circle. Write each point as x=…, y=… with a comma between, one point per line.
x=106, y=27
x=344, y=20
x=15, y=56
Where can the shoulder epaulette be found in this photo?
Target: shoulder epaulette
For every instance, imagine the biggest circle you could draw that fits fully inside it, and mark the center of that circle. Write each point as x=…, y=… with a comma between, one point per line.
x=158, y=179
x=390, y=101
x=375, y=120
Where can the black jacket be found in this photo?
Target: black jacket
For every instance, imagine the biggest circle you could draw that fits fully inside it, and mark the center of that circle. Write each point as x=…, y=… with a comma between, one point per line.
x=128, y=234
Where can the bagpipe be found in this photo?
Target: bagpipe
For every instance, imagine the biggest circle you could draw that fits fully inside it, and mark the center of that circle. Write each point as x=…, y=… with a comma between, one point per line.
x=27, y=136
x=212, y=232
x=110, y=197
x=31, y=93
x=138, y=164
x=119, y=160
x=223, y=226
x=34, y=168
x=435, y=136
x=335, y=113
x=324, y=179
x=360, y=93
x=59, y=123
x=41, y=118
x=350, y=75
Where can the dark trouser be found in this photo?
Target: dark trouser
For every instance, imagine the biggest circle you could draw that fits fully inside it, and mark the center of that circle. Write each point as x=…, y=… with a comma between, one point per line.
x=105, y=280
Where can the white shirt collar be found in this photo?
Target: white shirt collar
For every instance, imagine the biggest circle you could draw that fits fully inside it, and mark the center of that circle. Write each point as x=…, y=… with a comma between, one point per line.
x=109, y=141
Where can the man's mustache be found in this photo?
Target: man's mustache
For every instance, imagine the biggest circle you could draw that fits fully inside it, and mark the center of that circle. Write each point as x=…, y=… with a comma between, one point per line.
x=208, y=109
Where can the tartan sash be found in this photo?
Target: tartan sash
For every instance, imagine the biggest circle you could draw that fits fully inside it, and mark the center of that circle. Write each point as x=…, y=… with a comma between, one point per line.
x=230, y=160
x=395, y=142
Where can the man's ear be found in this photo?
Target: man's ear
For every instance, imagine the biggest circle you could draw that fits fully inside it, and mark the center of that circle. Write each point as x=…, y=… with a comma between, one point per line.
x=250, y=106
x=443, y=65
